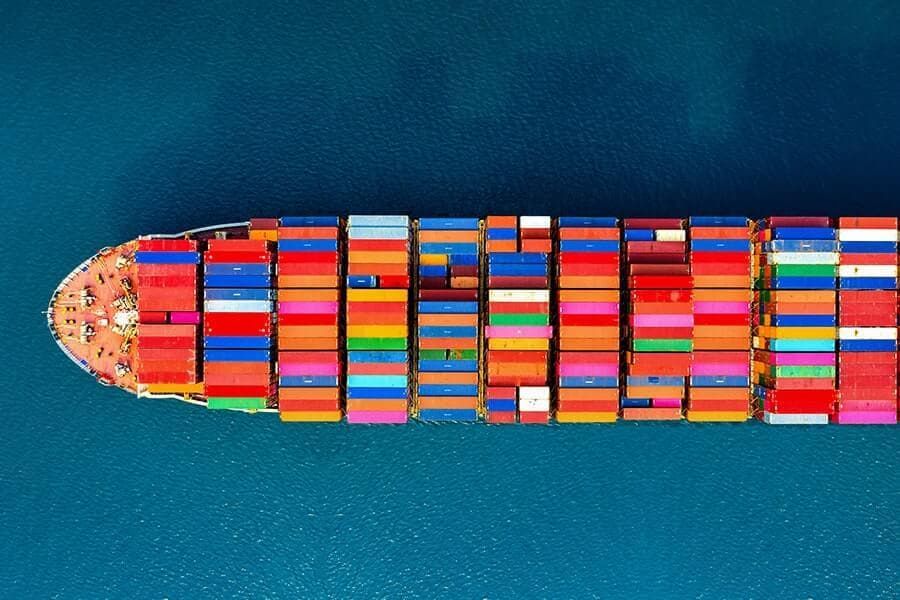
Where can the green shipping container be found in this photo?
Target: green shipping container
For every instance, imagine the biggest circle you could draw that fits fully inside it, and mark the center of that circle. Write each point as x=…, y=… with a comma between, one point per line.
x=519, y=319
x=230, y=402
x=804, y=270
x=665, y=345
x=376, y=343
x=801, y=371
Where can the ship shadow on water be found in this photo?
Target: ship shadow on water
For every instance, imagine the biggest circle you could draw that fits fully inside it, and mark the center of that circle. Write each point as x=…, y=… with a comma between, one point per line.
x=569, y=132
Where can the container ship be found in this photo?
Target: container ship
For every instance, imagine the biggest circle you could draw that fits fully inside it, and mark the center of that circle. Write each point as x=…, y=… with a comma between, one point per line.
x=383, y=319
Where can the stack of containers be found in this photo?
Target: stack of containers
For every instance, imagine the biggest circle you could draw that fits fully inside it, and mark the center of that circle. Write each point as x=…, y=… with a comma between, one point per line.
x=587, y=368
x=309, y=365
x=518, y=331
x=263, y=229
x=378, y=255
x=238, y=303
x=867, y=314
x=794, y=359
x=661, y=319
x=721, y=268
x=448, y=325
x=166, y=355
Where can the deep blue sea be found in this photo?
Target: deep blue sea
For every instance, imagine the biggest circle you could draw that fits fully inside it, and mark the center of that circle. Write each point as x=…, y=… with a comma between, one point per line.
x=123, y=118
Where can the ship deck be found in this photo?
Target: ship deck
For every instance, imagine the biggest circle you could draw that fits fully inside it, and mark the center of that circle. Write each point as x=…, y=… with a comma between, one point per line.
x=92, y=316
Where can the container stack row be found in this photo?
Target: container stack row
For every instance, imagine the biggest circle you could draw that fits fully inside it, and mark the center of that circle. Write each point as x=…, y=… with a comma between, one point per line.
x=238, y=307
x=518, y=330
x=378, y=254
x=168, y=320
x=588, y=300
x=795, y=360
x=867, y=321
x=309, y=365
x=661, y=319
x=263, y=229
x=721, y=271
x=448, y=328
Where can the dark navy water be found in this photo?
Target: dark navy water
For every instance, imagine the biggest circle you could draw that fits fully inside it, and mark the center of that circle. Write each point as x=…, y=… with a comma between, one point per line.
x=118, y=119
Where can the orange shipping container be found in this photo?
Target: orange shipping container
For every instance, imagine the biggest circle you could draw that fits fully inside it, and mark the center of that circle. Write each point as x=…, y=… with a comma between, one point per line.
x=439, y=319
x=454, y=343
x=309, y=331
x=302, y=343
x=306, y=281
x=470, y=402
x=448, y=378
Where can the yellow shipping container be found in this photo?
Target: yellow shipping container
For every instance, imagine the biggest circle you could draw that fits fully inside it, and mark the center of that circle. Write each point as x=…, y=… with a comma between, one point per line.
x=716, y=416
x=433, y=259
x=358, y=295
x=311, y=416
x=518, y=344
x=175, y=388
x=798, y=333
x=586, y=417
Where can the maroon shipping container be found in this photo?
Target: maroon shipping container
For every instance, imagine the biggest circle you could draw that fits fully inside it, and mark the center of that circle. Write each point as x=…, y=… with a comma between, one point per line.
x=152, y=316
x=799, y=221
x=263, y=223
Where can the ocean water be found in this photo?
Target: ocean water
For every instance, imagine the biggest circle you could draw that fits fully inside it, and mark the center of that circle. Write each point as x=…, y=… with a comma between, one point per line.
x=118, y=119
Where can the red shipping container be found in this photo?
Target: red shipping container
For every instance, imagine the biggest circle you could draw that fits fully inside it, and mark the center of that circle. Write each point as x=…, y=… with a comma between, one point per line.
x=308, y=268
x=314, y=319
x=304, y=257
x=661, y=296
x=867, y=222
x=591, y=258
x=501, y=417
x=588, y=406
x=185, y=355
x=656, y=269
x=671, y=258
x=151, y=378
x=847, y=258
x=144, y=269
x=503, y=393
x=237, y=245
x=534, y=418
x=237, y=324
x=737, y=258
x=519, y=307
x=518, y=356
x=668, y=282
x=722, y=319
x=378, y=245
x=589, y=320
x=720, y=269
x=167, y=245
x=152, y=316
x=145, y=282
x=393, y=281
x=300, y=405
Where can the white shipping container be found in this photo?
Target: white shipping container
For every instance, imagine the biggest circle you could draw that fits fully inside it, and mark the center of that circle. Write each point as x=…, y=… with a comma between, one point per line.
x=534, y=222
x=534, y=393
x=519, y=295
x=534, y=405
x=867, y=235
x=795, y=419
x=867, y=271
x=803, y=258
x=670, y=235
x=255, y=306
x=378, y=233
x=867, y=333
x=378, y=221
